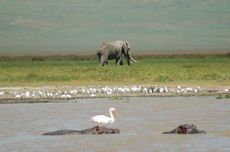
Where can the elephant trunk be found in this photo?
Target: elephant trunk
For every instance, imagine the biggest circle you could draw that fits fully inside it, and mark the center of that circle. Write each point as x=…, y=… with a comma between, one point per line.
x=129, y=57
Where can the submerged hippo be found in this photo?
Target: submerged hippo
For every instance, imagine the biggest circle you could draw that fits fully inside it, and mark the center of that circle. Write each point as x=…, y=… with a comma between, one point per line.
x=96, y=130
x=185, y=129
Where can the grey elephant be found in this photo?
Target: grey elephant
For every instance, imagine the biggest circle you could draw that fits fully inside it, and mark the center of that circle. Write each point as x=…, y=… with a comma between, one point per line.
x=114, y=50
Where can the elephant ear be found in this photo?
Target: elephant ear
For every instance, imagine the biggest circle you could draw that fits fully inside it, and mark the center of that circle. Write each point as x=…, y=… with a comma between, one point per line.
x=125, y=47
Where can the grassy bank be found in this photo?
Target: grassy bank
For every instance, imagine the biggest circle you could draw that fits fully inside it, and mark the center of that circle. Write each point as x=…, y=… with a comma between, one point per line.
x=71, y=70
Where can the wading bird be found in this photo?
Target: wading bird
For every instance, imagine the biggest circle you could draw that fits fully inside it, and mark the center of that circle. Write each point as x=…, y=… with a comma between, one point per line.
x=102, y=119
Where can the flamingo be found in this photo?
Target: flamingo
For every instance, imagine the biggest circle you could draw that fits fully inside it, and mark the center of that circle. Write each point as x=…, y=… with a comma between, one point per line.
x=102, y=119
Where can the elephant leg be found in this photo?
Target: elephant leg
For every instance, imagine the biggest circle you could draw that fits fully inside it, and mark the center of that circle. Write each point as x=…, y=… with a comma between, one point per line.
x=99, y=56
x=102, y=60
x=121, y=63
x=128, y=60
x=118, y=61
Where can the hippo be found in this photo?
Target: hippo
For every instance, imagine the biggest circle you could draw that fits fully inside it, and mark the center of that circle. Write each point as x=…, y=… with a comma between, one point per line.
x=96, y=130
x=185, y=129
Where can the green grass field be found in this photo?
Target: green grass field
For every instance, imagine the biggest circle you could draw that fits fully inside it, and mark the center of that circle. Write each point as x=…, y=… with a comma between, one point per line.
x=153, y=70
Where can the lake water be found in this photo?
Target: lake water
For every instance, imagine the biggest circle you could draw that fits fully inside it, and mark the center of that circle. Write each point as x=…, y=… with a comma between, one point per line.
x=141, y=122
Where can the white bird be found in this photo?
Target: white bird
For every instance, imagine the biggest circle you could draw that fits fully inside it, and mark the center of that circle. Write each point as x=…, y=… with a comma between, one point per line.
x=226, y=90
x=1, y=93
x=161, y=90
x=145, y=90
x=27, y=94
x=102, y=119
x=18, y=96
x=93, y=95
x=166, y=89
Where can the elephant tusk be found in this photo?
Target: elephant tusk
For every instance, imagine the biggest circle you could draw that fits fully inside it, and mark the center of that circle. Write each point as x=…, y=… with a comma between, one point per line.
x=133, y=59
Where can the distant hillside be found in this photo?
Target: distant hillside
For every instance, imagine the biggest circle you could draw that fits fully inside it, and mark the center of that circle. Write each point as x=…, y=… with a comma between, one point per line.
x=78, y=27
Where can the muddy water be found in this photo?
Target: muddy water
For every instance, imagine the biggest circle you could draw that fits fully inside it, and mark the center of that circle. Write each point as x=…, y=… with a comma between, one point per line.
x=141, y=122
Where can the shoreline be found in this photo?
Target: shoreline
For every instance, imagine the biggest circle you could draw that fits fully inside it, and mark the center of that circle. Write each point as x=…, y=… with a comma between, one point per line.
x=66, y=94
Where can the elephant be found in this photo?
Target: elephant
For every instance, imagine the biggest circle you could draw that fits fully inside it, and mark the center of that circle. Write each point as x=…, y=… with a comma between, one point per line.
x=96, y=130
x=185, y=129
x=114, y=50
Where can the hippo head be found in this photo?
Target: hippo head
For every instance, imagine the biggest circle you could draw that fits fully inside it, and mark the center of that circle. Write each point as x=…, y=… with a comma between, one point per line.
x=181, y=130
x=104, y=130
x=185, y=129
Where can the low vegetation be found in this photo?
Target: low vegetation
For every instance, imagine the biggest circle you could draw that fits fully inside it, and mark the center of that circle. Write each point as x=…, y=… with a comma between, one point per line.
x=223, y=96
x=72, y=70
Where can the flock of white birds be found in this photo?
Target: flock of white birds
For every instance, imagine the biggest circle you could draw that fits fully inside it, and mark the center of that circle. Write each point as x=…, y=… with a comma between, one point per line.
x=99, y=91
